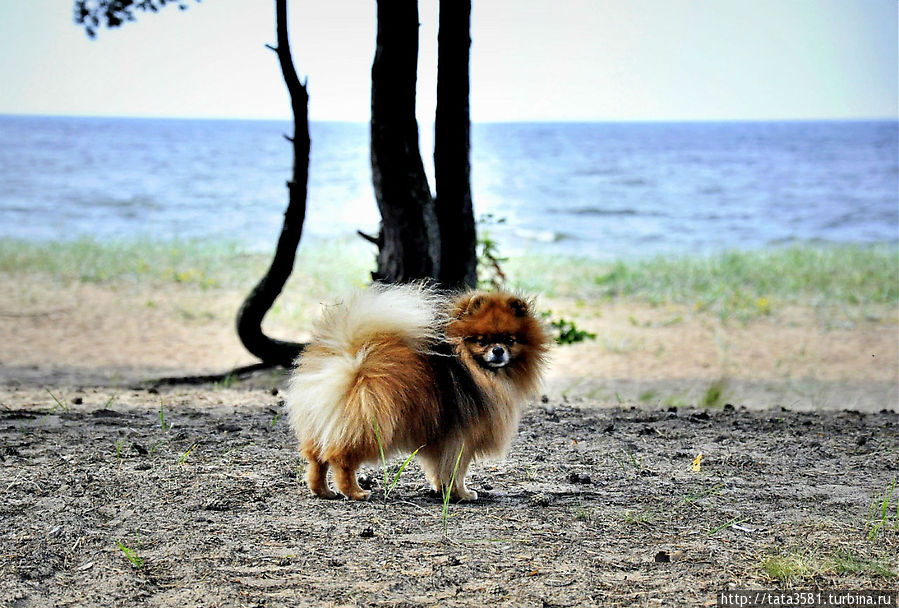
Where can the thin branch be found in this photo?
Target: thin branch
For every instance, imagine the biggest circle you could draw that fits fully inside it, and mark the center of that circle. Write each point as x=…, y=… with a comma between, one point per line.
x=237, y=372
x=371, y=239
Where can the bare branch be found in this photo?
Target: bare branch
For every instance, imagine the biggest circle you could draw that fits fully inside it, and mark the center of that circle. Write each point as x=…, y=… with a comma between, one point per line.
x=371, y=239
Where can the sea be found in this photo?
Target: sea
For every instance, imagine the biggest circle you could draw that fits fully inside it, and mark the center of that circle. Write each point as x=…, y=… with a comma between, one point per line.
x=601, y=190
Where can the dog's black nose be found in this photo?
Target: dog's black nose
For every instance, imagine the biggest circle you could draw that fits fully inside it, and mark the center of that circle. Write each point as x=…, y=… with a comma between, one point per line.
x=498, y=351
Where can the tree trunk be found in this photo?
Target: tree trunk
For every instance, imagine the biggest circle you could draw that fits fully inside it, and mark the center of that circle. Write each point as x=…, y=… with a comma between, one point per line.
x=452, y=147
x=410, y=237
x=263, y=295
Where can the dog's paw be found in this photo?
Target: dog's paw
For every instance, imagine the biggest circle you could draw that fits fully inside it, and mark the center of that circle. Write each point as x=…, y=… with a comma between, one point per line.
x=326, y=494
x=467, y=495
x=360, y=495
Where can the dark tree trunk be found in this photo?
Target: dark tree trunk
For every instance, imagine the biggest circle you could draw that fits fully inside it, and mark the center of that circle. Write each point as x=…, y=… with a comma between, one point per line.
x=410, y=238
x=261, y=298
x=452, y=147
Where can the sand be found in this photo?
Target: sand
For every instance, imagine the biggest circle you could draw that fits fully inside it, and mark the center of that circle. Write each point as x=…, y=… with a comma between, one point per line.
x=118, y=490
x=86, y=333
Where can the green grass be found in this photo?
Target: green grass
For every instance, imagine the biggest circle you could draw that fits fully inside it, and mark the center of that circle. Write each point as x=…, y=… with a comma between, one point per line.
x=227, y=382
x=183, y=458
x=791, y=566
x=741, y=285
x=162, y=423
x=881, y=512
x=582, y=513
x=119, y=450
x=695, y=496
x=645, y=517
x=61, y=403
x=744, y=284
x=845, y=562
x=92, y=261
x=628, y=461
x=714, y=394
x=712, y=531
x=447, y=491
x=205, y=264
x=802, y=565
x=647, y=395
x=131, y=554
x=389, y=485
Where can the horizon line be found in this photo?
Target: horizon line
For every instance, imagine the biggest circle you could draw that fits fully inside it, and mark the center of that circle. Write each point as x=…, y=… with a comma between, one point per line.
x=632, y=120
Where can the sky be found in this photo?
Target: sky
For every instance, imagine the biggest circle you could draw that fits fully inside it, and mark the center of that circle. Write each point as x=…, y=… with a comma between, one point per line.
x=531, y=60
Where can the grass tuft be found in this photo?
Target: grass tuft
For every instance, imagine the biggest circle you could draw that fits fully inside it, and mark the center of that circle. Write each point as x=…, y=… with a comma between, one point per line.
x=62, y=404
x=788, y=567
x=845, y=562
x=802, y=565
x=880, y=513
x=714, y=394
x=448, y=490
x=183, y=458
x=388, y=484
x=131, y=554
x=162, y=423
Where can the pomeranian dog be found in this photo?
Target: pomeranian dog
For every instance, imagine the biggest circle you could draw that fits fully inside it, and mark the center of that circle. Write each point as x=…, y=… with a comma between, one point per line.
x=404, y=367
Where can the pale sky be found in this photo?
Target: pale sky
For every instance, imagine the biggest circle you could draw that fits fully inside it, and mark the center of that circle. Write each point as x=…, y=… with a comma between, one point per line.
x=531, y=60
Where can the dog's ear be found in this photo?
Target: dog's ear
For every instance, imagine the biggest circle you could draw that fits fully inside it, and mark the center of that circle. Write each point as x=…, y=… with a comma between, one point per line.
x=468, y=304
x=476, y=302
x=519, y=307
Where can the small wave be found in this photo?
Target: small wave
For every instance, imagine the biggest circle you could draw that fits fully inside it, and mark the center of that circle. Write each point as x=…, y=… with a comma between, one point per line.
x=594, y=172
x=131, y=202
x=840, y=221
x=710, y=190
x=634, y=182
x=601, y=211
x=541, y=236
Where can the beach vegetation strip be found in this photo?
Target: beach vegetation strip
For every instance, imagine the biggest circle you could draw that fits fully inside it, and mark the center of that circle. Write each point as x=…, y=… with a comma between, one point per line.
x=734, y=283
x=741, y=283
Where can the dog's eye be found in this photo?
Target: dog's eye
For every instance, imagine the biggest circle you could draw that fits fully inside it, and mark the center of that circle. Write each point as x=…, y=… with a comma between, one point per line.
x=482, y=340
x=510, y=340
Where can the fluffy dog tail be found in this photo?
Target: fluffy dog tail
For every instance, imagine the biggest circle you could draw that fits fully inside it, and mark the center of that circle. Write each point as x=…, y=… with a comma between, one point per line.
x=323, y=400
x=409, y=312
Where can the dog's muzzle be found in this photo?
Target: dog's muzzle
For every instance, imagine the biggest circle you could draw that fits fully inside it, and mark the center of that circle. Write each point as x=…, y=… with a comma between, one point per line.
x=497, y=357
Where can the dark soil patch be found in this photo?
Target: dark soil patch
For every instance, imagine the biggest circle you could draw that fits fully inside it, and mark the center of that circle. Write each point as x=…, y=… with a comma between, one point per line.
x=102, y=504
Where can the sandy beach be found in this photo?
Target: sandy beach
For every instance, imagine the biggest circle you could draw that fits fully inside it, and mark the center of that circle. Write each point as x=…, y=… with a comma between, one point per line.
x=118, y=489
x=78, y=333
